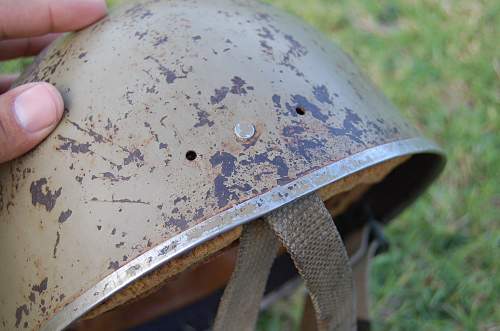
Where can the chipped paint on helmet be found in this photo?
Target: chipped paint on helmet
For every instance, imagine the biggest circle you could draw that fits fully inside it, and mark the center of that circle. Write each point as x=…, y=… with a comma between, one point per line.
x=143, y=87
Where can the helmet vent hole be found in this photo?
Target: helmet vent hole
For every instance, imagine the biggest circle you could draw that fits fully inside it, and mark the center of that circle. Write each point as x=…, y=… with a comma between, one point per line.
x=191, y=155
x=300, y=110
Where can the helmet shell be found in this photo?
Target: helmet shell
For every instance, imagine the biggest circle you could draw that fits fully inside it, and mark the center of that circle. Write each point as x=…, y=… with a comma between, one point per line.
x=147, y=164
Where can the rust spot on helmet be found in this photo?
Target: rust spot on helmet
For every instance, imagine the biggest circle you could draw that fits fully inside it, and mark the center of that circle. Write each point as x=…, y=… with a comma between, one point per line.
x=65, y=215
x=226, y=160
x=73, y=146
x=303, y=102
x=237, y=88
x=203, y=119
x=322, y=95
x=113, y=265
x=23, y=309
x=58, y=238
x=351, y=127
x=134, y=156
x=41, y=287
x=160, y=40
x=219, y=95
x=42, y=195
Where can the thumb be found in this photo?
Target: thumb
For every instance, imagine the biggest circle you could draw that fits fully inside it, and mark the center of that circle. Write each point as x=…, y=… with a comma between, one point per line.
x=28, y=113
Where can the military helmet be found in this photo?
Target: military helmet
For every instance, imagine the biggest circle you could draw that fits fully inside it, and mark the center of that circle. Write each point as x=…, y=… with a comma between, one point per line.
x=191, y=126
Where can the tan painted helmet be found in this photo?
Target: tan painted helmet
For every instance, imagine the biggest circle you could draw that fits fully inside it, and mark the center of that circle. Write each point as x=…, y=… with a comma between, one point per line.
x=186, y=120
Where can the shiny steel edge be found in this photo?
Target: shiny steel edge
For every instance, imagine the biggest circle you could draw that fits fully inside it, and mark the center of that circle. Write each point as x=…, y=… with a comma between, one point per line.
x=231, y=218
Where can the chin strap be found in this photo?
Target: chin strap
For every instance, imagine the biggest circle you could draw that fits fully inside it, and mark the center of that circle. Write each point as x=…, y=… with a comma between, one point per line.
x=240, y=303
x=305, y=228
x=362, y=246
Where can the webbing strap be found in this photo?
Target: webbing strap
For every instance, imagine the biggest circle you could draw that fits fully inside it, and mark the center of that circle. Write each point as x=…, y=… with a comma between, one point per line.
x=361, y=252
x=240, y=303
x=308, y=232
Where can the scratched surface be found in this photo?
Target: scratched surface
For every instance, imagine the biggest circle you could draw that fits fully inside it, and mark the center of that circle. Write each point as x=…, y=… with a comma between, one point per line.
x=144, y=86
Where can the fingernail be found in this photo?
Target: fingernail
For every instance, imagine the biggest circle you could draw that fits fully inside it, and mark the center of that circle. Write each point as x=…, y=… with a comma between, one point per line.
x=37, y=108
x=101, y=5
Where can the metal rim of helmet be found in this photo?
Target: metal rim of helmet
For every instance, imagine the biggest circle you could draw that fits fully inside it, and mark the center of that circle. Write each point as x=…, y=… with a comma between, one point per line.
x=426, y=162
x=239, y=215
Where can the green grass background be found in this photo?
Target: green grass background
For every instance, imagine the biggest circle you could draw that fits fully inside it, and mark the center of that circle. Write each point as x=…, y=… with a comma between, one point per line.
x=439, y=62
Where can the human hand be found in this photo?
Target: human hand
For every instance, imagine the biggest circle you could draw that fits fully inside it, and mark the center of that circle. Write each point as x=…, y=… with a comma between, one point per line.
x=28, y=113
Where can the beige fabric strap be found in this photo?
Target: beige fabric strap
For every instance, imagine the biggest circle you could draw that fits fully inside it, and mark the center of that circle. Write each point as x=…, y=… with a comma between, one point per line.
x=361, y=252
x=240, y=303
x=307, y=231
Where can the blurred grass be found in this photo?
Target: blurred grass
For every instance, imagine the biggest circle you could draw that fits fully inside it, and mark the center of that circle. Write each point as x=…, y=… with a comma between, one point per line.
x=439, y=62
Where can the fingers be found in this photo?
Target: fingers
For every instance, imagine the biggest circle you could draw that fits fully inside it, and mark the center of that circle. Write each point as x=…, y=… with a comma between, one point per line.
x=6, y=81
x=21, y=47
x=26, y=18
x=28, y=114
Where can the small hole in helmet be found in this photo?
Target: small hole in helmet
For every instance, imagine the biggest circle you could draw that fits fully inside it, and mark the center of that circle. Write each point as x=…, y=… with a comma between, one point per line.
x=191, y=155
x=300, y=110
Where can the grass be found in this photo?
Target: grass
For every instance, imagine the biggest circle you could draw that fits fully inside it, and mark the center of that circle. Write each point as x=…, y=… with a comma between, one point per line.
x=439, y=62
